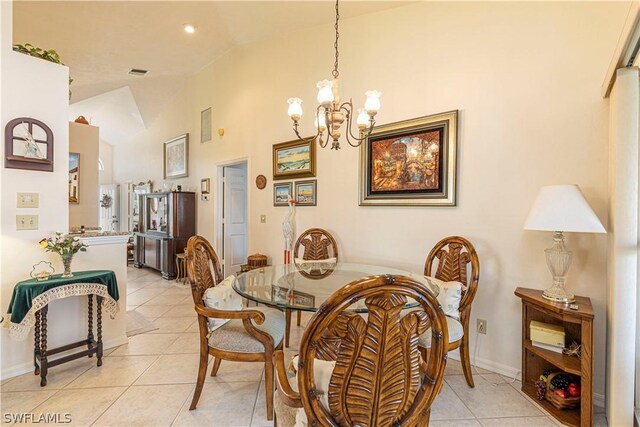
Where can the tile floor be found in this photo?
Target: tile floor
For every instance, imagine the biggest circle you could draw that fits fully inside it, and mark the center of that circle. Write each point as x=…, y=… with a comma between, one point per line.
x=150, y=380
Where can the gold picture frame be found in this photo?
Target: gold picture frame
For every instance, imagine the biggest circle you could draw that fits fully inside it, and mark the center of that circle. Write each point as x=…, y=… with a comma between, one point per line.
x=294, y=159
x=411, y=163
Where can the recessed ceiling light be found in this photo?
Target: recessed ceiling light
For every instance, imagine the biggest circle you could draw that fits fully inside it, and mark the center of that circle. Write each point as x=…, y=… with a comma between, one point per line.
x=189, y=28
x=138, y=72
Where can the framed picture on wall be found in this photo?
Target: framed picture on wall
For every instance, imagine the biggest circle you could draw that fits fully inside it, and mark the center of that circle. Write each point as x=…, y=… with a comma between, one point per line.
x=74, y=178
x=411, y=163
x=206, y=130
x=176, y=157
x=294, y=159
x=282, y=192
x=306, y=193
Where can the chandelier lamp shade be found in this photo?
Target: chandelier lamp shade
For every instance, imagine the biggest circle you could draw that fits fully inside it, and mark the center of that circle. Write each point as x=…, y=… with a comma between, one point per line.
x=331, y=114
x=561, y=208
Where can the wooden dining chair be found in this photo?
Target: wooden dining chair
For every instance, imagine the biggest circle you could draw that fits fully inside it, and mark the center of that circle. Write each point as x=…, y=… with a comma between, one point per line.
x=455, y=255
x=318, y=245
x=378, y=377
x=251, y=335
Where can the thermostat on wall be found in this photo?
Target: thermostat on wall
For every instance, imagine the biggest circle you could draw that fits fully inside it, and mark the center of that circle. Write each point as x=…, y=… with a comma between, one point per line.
x=28, y=200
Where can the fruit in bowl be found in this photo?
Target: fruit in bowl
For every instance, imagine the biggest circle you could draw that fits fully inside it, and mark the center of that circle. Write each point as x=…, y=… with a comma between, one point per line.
x=574, y=390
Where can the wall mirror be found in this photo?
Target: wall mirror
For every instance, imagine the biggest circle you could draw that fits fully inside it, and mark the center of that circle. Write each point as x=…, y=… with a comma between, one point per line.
x=138, y=190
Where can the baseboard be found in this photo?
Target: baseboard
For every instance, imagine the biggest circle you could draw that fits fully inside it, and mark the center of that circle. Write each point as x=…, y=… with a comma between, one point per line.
x=23, y=368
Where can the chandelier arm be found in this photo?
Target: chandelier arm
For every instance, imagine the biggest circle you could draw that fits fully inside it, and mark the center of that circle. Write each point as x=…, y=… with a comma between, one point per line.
x=295, y=129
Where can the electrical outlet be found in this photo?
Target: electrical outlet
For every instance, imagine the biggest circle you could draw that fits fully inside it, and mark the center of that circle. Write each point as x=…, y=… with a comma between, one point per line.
x=263, y=219
x=481, y=326
x=26, y=222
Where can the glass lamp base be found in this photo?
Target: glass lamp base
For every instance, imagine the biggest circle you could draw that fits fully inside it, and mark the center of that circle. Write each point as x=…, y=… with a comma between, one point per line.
x=557, y=294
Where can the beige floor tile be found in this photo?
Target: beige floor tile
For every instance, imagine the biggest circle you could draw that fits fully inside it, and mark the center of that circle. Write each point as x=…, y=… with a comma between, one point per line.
x=153, y=311
x=169, y=300
x=221, y=404
x=21, y=402
x=517, y=422
x=194, y=327
x=238, y=372
x=454, y=367
x=142, y=296
x=57, y=377
x=172, y=369
x=182, y=310
x=82, y=406
x=454, y=423
x=181, y=291
x=146, y=344
x=187, y=343
x=448, y=405
x=168, y=325
x=3, y=382
x=489, y=401
x=115, y=371
x=155, y=405
x=259, y=418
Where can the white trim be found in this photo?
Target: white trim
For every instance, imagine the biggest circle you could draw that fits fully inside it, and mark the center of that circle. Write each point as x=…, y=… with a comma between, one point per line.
x=23, y=368
x=106, y=240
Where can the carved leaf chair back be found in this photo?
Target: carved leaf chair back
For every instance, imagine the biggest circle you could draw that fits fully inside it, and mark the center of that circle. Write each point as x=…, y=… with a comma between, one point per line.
x=318, y=244
x=456, y=260
x=203, y=267
x=379, y=378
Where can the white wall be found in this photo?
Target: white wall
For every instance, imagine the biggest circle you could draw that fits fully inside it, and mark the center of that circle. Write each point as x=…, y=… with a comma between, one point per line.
x=106, y=155
x=525, y=77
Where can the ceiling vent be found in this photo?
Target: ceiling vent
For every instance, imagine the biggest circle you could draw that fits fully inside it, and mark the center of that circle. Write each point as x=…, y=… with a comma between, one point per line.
x=138, y=72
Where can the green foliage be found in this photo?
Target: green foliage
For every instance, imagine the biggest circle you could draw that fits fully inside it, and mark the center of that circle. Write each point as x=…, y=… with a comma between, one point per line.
x=62, y=245
x=48, y=55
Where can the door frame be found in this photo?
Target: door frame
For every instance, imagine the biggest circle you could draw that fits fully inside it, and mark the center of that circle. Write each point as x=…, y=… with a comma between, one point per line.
x=218, y=203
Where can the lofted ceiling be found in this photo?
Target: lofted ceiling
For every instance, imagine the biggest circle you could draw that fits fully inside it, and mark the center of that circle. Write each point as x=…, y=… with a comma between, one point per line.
x=101, y=40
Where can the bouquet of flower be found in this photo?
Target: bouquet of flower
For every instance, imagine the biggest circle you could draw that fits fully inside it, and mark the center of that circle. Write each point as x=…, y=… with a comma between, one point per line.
x=63, y=245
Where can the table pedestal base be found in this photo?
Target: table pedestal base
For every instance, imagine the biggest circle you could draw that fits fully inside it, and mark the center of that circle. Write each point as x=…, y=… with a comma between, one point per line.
x=41, y=354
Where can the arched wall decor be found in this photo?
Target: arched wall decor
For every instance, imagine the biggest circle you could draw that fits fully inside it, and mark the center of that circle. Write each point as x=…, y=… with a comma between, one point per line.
x=28, y=145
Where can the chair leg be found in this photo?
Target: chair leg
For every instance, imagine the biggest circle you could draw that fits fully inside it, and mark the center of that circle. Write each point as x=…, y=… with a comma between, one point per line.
x=216, y=366
x=202, y=373
x=287, y=326
x=464, y=358
x=269, y=385
x=299, y=317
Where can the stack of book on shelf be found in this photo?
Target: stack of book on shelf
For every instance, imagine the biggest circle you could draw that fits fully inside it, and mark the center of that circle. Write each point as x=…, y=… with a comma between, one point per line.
x=547, y=336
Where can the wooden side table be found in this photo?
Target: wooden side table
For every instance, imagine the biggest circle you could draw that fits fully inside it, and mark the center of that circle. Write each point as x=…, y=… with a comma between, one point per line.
x=578, y=325
x=181, y=267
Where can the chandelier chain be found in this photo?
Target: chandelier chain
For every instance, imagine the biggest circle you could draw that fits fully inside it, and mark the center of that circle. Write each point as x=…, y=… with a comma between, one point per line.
x=335, y=45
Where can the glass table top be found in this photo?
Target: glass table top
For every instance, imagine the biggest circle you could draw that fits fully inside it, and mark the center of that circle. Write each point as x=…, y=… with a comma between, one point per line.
x=306, y=286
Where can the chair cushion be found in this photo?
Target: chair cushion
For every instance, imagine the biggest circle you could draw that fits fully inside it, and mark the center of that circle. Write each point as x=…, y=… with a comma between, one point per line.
x=449, y=296
x=232, y=336
x=222, y=297
x=454, y=328
x=322, y=371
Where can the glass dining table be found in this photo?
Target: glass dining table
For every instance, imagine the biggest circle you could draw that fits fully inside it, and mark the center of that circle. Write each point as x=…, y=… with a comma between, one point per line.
x=305, y=286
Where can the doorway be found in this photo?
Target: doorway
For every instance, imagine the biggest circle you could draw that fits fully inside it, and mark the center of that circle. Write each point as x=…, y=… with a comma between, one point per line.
x=110, y=207
x=231, y=210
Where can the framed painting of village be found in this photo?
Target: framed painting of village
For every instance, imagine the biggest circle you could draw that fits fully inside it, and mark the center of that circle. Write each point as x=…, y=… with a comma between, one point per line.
x=411, y=163
x=294, y=159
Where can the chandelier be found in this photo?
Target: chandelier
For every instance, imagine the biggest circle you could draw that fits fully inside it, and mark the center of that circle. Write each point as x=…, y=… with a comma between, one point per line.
x=331, y=114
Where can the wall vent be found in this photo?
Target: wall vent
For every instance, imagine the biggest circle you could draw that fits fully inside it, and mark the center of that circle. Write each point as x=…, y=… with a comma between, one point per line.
x=138, y=72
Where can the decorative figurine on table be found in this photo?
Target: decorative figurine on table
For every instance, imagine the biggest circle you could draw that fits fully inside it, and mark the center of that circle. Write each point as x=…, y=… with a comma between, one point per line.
x=66, y=247
x=289, y=230
x=42, y=270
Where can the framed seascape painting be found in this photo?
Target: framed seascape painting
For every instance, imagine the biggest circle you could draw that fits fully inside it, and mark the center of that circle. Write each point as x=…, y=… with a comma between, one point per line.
x=306, y=193
x=74, y=178
x=176, y=157
x=294, y=159
x=282, y=192
x=411, y=163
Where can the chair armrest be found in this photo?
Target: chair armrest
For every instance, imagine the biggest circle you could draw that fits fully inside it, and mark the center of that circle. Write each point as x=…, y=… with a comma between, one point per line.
x=290, y=397
x=255, y=315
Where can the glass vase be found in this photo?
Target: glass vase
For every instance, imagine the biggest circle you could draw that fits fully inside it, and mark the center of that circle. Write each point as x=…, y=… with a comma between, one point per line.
x=66, y=261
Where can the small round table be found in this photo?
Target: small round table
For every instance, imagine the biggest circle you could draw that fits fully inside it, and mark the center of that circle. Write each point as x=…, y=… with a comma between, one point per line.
x=181, y=266
x=306, y=286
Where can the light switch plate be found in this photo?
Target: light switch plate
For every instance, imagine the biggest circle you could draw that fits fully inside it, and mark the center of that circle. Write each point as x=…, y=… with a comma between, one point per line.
x=28, y=200
x=26, y=222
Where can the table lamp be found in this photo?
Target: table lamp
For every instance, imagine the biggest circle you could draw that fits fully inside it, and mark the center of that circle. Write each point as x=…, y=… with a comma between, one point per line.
x=561, y=208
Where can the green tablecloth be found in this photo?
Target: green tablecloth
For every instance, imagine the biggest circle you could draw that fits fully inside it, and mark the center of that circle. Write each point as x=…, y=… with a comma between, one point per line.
x=31, y=295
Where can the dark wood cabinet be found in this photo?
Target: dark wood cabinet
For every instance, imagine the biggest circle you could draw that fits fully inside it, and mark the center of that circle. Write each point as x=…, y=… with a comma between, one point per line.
x=578, y=325
x=167, y=221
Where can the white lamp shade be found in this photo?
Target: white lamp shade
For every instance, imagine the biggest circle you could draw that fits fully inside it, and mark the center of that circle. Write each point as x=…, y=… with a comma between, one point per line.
x=562, y=208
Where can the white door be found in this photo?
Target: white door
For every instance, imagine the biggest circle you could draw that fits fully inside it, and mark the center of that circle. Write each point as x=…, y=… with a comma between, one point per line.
x=234, y=218
x=110, y=207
